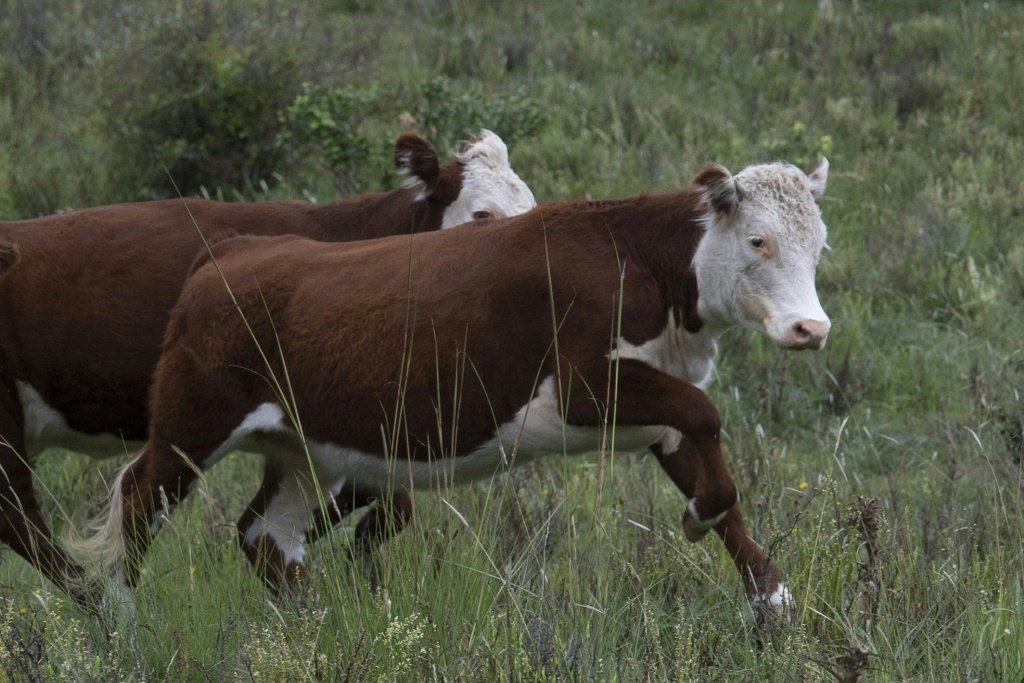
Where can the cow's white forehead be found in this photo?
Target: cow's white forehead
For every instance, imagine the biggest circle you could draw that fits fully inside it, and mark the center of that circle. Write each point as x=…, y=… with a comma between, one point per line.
x=487, y=176
x=780, y=194
x=487, y=149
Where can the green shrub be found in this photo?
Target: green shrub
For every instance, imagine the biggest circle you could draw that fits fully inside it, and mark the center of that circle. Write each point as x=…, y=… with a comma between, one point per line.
x=340, y=125
x=448, y=111
x=328, y=120
x=189, y=93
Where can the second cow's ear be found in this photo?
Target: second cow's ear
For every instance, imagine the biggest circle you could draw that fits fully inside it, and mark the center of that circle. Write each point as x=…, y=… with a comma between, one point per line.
x=721, y=192
x=416, y=159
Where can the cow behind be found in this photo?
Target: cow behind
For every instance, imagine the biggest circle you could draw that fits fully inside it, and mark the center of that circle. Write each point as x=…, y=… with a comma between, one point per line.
x=442, y=353
x=83, y=313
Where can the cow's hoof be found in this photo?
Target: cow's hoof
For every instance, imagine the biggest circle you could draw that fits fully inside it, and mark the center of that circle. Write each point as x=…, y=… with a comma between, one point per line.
x=773, y=610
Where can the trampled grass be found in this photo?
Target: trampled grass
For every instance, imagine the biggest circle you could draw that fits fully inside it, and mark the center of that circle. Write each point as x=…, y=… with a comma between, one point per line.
x=884, y=473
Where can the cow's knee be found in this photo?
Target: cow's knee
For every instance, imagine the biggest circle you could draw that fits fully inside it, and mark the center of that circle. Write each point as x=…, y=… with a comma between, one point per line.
x=704, y=512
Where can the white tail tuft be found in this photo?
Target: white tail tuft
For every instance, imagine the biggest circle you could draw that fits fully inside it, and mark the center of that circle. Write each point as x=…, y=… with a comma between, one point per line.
x=104, y=542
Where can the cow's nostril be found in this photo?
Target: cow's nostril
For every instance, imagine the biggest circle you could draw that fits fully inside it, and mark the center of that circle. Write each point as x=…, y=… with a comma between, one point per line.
x=808, y=334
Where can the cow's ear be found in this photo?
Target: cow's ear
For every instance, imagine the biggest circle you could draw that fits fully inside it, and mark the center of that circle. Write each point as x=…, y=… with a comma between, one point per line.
x=817, y=180
x=721, y=192
x=416, y=159
x=8, y=257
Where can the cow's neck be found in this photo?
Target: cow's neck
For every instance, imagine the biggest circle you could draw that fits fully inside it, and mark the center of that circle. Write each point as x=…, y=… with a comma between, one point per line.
x=381, y=214
x=661, y=238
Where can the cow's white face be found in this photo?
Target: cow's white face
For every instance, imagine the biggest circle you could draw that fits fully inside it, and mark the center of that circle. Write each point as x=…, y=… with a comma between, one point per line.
x=490, y=188
x=755, y=264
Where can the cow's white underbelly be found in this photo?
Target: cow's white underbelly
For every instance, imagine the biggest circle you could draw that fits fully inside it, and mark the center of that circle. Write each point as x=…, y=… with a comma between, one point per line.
x=536, y=429
x=45, y=427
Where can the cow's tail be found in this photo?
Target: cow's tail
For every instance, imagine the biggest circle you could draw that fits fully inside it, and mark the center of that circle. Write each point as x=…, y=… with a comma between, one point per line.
x=103, y=545
x=8, y=257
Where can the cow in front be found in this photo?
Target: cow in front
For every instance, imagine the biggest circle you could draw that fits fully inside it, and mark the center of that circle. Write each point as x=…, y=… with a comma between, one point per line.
x=452, y=355
x=83, y=311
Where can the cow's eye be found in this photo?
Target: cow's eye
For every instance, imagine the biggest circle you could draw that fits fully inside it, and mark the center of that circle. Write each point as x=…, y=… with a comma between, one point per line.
x=481, y=215
x=757, y=242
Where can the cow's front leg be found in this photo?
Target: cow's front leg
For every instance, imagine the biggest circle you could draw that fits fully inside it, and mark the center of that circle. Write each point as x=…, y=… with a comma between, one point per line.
x=647, y=396
x=684, y=465
x=763, y=582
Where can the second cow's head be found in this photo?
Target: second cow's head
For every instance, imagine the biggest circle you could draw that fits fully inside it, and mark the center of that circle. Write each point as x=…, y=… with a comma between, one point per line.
x=479, y=184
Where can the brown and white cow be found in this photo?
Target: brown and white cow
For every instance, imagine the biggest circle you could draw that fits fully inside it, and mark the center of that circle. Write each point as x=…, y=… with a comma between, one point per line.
x=448, y=356
x=83, y=312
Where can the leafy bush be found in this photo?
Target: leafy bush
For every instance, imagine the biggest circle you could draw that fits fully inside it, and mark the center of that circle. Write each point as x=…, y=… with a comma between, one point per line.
x=329, y=120
x=336, y=124
x=448, y=111
x=185, y=94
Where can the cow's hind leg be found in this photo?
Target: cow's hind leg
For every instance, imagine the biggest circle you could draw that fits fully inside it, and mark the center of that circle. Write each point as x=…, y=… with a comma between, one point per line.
x=272, y=530
x=386, y=519
x=22, y=526
x=288, y=512
x=389, y=514
x=276, y=525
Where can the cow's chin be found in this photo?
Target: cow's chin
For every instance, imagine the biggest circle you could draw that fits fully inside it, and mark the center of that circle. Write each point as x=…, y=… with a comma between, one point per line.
x=811, y=345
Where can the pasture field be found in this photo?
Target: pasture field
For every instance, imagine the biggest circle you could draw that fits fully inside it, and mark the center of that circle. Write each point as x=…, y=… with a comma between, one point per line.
x=884, y=473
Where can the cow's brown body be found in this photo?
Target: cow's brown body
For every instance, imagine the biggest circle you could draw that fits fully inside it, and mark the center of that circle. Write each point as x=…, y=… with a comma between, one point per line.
x=446, y=355
x=348, y=316
x=83, y=312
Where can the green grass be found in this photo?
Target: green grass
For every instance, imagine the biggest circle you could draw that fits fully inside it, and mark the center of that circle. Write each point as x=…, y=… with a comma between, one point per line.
x=912, y=418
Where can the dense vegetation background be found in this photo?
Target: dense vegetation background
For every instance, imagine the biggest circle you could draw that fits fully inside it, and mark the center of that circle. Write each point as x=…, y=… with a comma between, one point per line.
x=884, y=473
